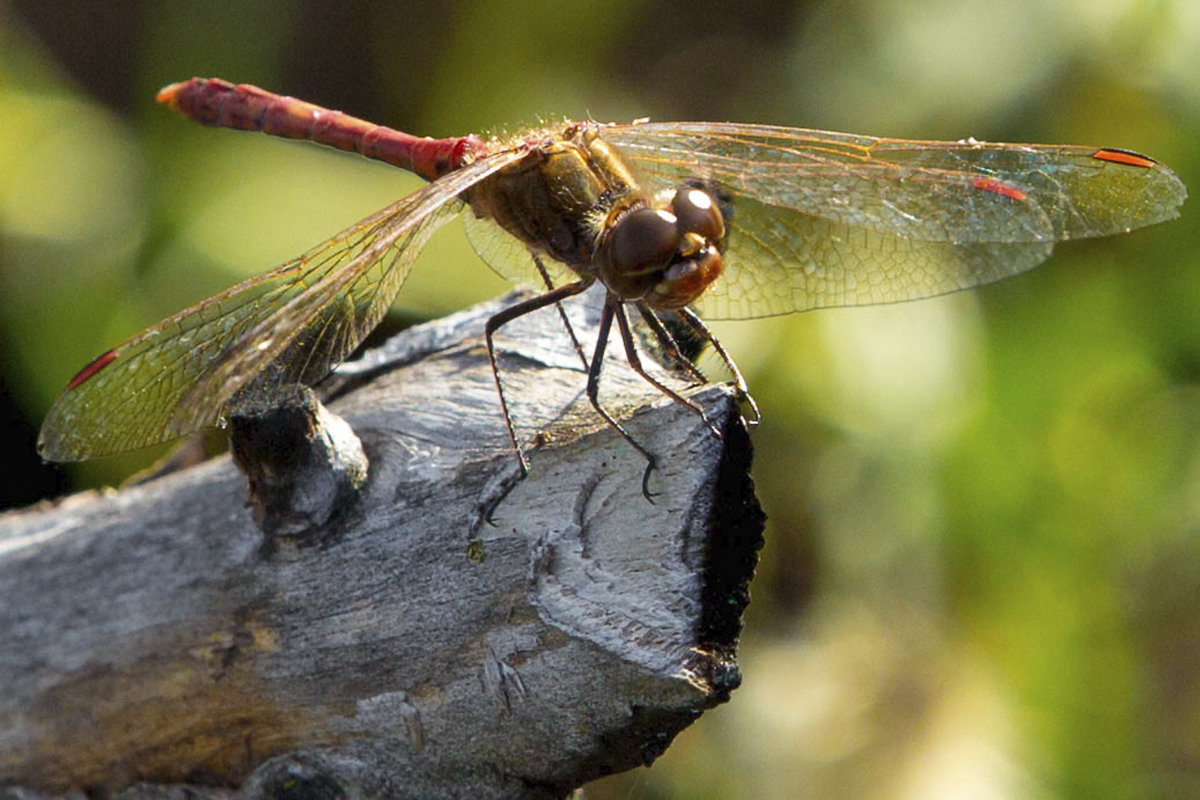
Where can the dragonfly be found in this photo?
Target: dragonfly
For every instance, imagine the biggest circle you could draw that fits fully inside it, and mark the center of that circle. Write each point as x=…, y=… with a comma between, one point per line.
x=705, y=220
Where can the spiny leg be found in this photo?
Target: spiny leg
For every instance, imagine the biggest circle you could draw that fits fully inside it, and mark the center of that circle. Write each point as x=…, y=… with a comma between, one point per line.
x=635, y=361
x=593, y=391
x=501, y=318
x=670, y=347
x=739, y=383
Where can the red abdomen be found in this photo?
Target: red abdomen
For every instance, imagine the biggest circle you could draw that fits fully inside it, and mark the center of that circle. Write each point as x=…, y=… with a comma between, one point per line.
x=212, y=101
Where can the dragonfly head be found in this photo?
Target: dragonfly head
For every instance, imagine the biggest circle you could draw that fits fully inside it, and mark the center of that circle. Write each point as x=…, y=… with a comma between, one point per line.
x=665, y=257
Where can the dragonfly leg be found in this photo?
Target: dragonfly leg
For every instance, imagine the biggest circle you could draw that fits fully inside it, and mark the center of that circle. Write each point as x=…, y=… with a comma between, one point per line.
x=635, y=361
x=670, y=346
x=561, y=311
x=611, y=308
x=502, y=318
x=739, y=383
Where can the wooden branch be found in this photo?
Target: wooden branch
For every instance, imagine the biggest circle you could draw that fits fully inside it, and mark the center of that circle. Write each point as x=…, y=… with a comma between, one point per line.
x=154, y=637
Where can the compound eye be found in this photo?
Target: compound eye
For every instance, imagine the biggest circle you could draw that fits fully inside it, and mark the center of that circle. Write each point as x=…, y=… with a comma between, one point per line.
x=644, y=238
x=697, y=212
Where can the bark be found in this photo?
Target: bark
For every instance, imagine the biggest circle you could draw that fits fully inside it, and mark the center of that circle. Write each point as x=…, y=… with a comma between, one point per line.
x=395, y=642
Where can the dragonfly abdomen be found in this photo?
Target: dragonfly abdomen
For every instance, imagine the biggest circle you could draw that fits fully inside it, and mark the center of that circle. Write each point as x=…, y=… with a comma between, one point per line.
x=212, y=101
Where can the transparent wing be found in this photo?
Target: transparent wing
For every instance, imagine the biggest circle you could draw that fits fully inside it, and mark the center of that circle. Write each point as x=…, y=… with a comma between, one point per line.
x=778, y=261
x=510, y=258
x=239, y=348
x=825, y=219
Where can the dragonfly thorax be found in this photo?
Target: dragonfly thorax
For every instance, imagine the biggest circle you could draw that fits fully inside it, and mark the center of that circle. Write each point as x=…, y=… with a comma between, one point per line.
x=575, y=200
x=553, y=198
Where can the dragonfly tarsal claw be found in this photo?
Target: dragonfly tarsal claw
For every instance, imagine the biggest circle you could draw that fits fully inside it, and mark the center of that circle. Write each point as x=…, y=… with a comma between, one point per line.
x=744, y=396
x=651, y=464
x=496, y=492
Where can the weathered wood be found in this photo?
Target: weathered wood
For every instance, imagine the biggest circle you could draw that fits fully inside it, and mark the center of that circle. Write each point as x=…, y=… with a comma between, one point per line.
x=407, y=647
x=302, y=463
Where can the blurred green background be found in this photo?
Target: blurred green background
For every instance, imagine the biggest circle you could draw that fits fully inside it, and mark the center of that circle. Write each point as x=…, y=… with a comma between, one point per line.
x=982, y=569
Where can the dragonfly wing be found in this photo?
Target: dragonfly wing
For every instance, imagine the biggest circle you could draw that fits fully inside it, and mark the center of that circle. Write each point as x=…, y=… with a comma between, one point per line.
x=325, y=323
x=827, y=219
x=288, y=325
x=510, y=258
x=779, y=262
x=933, y=191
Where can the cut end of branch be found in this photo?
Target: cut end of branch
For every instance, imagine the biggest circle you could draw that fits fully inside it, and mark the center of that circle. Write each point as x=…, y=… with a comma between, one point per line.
x=302, y=463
